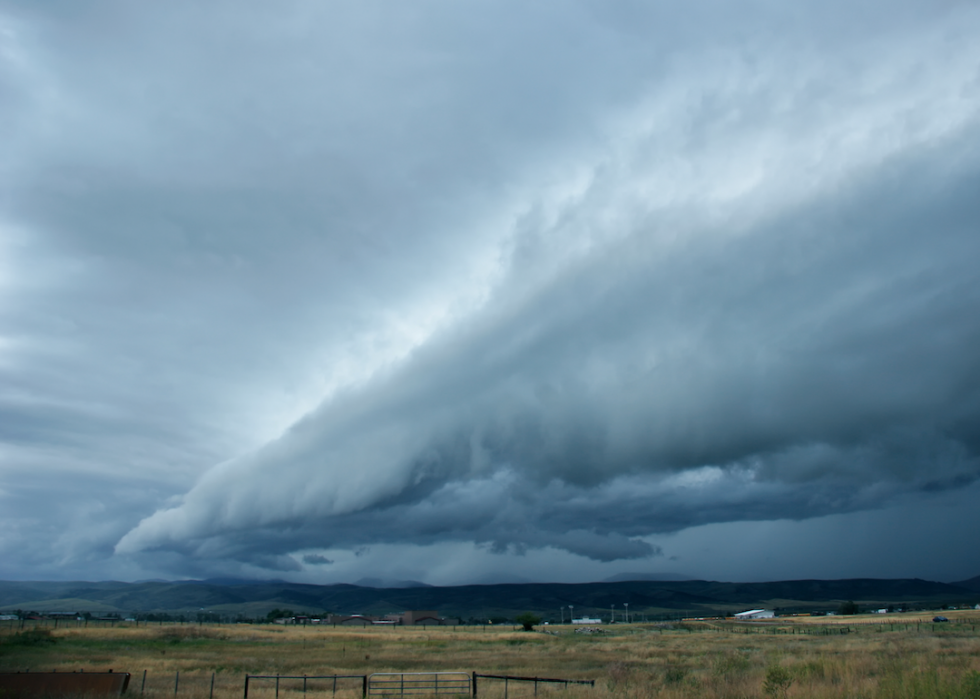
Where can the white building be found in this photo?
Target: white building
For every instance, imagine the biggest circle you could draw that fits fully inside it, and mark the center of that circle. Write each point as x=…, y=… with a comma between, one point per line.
x=586, y=620
x=756, y=614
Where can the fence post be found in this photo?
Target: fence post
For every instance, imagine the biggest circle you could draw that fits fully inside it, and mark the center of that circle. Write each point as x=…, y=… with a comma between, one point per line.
x=277, y=685
x=176, y=682
x=246, y=687
x=474, y=683
x=143, y=686
x=364, y=685
x=211, y=695
x=304, y=683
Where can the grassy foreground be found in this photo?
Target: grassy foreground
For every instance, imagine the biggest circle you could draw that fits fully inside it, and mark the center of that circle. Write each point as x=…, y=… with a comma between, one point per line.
x=788, y=658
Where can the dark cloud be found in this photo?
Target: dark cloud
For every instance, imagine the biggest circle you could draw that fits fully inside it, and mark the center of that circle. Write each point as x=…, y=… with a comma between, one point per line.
x=315, y=559
x=317, y=283
x=783, y=407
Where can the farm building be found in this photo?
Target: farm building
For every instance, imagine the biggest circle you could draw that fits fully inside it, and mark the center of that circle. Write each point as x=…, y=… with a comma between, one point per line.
x=425, y=617
x=414, y=617
x=756, y=614
x=586, y=620
x=351, y=620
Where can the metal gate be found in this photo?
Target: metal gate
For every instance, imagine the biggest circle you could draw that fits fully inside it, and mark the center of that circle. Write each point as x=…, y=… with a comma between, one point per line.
x=399, y=684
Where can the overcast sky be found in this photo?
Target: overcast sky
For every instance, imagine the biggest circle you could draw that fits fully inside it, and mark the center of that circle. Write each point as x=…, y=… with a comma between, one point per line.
x=474, y=291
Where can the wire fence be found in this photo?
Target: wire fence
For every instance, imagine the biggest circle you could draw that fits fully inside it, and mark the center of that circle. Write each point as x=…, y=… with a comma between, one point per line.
x=525, y=682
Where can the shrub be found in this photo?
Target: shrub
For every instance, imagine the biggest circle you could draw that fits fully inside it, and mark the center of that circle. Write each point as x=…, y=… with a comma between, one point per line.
x=778, y=680
x=971, y=686
x=32, y=637
x=528, y=620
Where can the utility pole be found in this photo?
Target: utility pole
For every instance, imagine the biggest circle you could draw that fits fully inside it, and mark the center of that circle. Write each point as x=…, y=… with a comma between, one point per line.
x=627, y=606
x=563, y=615
x=571, y=613
x=612, y=614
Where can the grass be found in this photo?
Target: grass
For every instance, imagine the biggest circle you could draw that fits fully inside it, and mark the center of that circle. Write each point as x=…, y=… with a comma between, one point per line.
x=785, y=658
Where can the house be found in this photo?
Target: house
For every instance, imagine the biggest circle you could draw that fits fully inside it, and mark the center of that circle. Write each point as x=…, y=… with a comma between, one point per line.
x=755, y=614
x=586, y=620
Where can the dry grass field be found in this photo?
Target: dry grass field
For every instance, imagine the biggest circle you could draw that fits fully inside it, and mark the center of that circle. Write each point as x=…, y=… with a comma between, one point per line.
x=799, y=657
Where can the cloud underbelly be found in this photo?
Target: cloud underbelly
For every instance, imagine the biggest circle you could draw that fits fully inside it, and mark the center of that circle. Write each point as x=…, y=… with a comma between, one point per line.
x=621, y=400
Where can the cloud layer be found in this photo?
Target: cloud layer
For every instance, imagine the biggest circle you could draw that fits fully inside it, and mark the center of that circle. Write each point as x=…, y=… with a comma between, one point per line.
x=282, y=283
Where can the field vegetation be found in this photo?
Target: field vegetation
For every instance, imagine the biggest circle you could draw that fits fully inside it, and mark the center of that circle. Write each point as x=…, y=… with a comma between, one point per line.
x=901, y=656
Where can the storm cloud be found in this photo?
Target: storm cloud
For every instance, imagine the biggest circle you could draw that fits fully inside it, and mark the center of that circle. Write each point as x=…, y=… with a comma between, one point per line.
x=285, y=287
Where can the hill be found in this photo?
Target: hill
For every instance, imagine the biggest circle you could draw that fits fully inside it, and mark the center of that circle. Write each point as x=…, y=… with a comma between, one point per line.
x=653, y=598
x=971, y=584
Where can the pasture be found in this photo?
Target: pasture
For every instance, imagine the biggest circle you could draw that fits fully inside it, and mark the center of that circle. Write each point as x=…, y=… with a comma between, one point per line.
x=901, y=656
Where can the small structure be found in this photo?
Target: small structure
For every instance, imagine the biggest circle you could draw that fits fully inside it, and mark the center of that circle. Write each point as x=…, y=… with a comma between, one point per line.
x=586, y=620
x=428, y=621
x=413, y=617
x=356, y=620
x=755, y=614
x=421, y=617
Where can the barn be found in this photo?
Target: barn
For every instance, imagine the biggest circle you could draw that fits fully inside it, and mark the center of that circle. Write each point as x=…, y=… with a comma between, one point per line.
x=755, y=614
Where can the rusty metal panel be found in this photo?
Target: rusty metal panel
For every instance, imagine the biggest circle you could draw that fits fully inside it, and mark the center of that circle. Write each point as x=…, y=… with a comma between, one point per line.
x=38, y=684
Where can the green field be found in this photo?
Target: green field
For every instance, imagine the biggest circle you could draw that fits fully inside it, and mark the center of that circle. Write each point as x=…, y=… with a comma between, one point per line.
x=862, y=656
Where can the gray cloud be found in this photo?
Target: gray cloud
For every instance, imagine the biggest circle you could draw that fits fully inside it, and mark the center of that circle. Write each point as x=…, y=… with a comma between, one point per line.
x=316, y=559
x=279, y=283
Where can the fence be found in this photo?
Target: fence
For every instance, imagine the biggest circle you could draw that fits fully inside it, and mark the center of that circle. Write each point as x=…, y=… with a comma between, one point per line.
x=163, y=685
x=315, y=683
x=387, y=684
x=382, y=684
x=401, y=684
x=536, y=680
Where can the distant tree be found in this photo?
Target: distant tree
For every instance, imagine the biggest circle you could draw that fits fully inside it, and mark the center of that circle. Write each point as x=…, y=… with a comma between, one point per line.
x=279, y=614
x=849, y=607
x=528, y=620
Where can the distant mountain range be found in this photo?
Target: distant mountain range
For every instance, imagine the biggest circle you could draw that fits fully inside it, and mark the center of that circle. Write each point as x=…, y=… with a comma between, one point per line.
x=655, y=598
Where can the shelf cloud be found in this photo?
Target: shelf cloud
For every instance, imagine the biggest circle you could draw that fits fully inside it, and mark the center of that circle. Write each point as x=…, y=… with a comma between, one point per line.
x=285, y=287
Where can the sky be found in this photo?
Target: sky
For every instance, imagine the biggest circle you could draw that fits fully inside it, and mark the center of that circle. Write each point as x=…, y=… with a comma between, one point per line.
x=489, y=291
